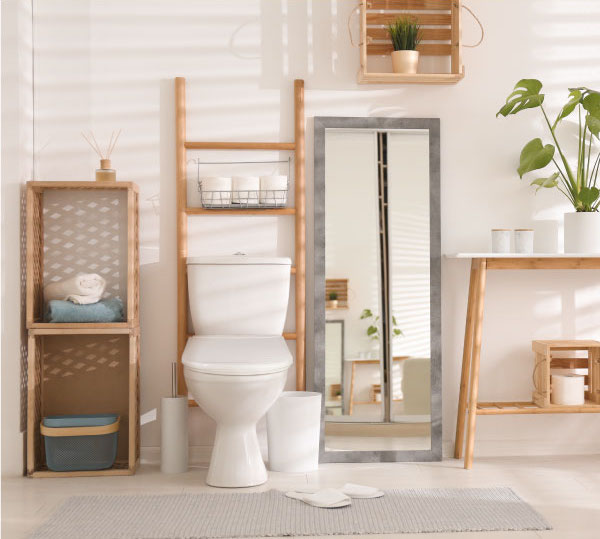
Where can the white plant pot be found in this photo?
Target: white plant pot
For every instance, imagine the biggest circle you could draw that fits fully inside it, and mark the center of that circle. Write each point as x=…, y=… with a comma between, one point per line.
x=405, y=61
x=582, y=232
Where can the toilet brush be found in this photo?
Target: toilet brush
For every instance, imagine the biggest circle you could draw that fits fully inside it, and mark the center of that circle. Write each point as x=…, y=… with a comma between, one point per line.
x=174, y=430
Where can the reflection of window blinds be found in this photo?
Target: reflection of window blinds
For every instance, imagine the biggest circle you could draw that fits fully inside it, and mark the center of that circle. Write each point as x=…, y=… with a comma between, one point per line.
x=409, y=231
x=334, y=347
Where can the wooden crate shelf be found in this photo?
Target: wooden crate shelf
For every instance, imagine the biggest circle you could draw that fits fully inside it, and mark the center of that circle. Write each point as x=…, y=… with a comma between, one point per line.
x=339, y=287
x=76, y=368
x=440, y=38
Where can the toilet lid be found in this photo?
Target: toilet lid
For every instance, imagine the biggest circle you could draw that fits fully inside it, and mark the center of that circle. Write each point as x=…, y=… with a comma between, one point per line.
x=232, y=355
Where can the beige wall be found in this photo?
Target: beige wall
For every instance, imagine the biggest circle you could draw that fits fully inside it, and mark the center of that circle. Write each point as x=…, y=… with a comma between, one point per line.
x=109, y=64
x=16, y=168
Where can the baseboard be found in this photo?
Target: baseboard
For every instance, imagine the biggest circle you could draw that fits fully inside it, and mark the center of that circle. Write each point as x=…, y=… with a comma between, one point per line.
x=524, y=448
x=199, y=454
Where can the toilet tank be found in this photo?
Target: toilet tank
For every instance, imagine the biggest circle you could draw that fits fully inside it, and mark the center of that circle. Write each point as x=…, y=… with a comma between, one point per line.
x=238, y=295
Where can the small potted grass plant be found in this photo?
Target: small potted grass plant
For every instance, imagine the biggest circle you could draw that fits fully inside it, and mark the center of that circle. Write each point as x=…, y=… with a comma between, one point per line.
x=575, y=178
x=405, y=34
x=332, y=301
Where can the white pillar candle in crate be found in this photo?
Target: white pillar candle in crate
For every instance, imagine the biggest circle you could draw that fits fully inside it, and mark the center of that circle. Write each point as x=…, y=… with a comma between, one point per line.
x=500, y=240
x=524, y=240
x=273, y=190
x=568, y=389
x=244, y=189
x=216, y=191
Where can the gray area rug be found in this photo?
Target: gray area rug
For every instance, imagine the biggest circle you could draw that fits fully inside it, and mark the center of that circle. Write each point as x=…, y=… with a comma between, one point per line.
x=271, y=514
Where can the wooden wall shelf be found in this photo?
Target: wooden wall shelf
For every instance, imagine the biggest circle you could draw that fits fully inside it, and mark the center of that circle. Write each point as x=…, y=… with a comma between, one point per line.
x=77, y=368
x=441, y=38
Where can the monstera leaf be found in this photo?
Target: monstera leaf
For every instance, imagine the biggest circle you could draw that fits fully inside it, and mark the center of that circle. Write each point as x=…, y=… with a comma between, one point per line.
x=591, y=103
x=575, y=94
x=549, y=182
x=526, y=95
x=589, y=195
x=535, y=156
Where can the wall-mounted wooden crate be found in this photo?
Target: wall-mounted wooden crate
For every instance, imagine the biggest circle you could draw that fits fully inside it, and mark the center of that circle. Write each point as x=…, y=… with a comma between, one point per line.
x=83, y=368
x=440, y=30
x=573, y=354
x=340, y=287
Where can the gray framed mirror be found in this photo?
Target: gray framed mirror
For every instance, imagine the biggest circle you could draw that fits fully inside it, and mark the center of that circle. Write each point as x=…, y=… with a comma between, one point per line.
x=377, y=271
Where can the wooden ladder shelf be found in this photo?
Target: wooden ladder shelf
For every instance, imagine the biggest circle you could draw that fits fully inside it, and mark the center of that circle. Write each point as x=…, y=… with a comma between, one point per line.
x=299, y=213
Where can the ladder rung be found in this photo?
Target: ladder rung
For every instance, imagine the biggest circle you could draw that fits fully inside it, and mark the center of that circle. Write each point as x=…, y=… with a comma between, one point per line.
x=289, y=336
x=240, y=145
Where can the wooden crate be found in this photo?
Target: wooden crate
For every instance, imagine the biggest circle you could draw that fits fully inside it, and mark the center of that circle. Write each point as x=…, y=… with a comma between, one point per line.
x=83, y=374
x=440, y=21
x=84, y=368
x=340, y=287
x=554, y=354
x=84, y=227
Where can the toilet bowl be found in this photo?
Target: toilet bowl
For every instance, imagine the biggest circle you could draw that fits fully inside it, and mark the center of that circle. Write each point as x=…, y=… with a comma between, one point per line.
x=235, y=380
x=235, y=366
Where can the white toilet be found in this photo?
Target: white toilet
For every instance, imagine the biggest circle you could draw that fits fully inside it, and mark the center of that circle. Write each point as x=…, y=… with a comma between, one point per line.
x=236, y=364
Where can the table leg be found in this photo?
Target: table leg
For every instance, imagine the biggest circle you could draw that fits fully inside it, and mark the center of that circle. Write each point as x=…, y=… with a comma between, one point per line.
x=351, y=400
x=477, y=332
x=466, y=366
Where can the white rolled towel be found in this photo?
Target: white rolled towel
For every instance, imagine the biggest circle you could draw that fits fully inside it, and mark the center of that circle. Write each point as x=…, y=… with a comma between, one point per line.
x=245, y=189
x=216, y=191
x=273, y=190
x=83, y=289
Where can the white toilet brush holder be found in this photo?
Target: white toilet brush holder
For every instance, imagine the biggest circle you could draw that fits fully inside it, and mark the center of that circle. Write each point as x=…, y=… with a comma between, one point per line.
x=174, y=430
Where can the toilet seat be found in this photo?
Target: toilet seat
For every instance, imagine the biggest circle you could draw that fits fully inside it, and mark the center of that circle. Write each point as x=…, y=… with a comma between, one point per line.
x=231, y=355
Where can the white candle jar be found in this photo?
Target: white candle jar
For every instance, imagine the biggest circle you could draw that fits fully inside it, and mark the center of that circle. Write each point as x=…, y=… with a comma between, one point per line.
x=500, y=240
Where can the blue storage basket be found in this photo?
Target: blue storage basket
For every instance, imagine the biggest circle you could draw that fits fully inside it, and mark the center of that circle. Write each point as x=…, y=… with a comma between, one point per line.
x=80, y=442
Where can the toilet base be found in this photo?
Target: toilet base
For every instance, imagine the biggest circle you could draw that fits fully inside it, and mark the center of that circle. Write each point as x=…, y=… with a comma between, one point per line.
x=236, y=460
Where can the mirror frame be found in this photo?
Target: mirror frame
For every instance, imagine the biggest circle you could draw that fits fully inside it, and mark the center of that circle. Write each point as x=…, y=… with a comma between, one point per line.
x=321, y=124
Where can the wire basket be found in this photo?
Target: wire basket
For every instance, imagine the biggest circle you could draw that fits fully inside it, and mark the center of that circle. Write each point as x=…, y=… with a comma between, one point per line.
x=243, y=198
x=259, y=198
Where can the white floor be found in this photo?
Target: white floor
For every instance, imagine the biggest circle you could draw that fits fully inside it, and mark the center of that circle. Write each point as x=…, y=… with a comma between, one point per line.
x=566, y=490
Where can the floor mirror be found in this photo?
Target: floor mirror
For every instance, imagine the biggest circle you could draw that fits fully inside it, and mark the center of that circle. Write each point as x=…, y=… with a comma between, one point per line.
x=377, y=356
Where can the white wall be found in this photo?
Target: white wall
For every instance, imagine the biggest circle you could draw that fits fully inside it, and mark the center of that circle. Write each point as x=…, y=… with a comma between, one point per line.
x=16, y=166
x=110, y=64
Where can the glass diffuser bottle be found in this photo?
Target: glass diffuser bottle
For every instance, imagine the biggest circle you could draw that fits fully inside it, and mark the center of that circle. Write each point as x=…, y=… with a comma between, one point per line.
x=105, y=173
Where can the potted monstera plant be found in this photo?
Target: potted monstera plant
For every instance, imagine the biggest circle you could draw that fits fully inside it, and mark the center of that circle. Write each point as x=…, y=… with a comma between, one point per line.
x=576, y=178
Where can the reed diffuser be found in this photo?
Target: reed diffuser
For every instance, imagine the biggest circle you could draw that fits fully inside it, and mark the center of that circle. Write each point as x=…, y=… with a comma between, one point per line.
x=105, y=173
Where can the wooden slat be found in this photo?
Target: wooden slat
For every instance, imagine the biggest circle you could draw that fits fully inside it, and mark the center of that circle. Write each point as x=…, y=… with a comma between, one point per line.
x=300, y=233
x=427, y=34
x=245, y=211
x=523, y=408
x=407, y=78
x=543, y=263
x=425, y=5
x=429, y=19
x=385, y=49
x=287, y=146
x=40, y=186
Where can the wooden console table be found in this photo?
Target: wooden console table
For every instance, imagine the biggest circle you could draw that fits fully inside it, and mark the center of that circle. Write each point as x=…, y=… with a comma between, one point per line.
x=468, y=404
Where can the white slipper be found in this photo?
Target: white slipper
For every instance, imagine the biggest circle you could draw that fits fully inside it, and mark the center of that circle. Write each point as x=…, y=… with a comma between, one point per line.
x=328, y=498
x=361, y=491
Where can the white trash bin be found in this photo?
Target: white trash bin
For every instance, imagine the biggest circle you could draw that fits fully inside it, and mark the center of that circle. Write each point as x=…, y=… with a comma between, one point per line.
x=293, y=429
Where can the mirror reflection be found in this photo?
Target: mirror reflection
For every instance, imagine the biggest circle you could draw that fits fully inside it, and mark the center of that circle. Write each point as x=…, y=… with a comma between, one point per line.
x=377, y=290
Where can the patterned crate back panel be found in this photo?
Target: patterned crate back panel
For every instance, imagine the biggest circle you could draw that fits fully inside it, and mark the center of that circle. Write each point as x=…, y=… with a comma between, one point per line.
x=85, y=231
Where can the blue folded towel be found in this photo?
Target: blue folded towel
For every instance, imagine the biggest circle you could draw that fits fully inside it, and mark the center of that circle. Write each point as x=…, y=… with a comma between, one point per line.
x=106, y=310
